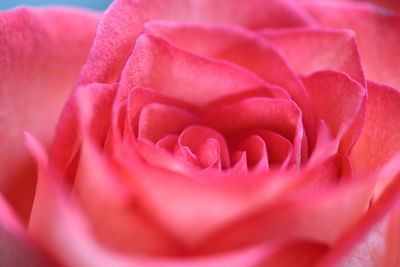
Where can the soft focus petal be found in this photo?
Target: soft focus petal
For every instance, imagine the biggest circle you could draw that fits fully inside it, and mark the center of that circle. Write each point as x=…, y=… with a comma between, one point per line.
x=377, y=35
x=88, y=111
x=380, y=137
x=41, y=53
x=16, y=247
x=302, y=216
x=364, y=243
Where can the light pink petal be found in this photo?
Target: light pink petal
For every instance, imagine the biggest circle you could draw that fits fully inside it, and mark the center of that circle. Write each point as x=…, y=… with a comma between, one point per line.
x=39, y=67
x=278, y=115
x=380, y=137
x=244, y=48
x=311, y=50
x=337, y=100
x=123, y=21
x=176, y=73
x=157, y=120
x=376, y=32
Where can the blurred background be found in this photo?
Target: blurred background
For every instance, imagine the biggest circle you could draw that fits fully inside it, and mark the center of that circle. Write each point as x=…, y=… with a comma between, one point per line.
x=93, y=4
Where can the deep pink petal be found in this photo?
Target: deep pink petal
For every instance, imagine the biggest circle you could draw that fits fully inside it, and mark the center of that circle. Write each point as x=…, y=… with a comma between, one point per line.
x=337, y=100
x=376, y=33
x=176, y=73
x=39, y=67
x=311, y=50
x=123, y=21
x=380, y=137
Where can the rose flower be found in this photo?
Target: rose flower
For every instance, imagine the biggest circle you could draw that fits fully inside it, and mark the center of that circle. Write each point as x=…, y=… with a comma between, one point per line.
x=201, y=133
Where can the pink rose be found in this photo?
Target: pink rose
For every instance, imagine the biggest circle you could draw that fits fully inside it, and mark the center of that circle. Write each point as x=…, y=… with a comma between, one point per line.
x=201, y=133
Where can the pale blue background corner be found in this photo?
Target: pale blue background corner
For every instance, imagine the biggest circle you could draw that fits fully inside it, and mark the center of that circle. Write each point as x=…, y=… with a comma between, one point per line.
x=92, y=4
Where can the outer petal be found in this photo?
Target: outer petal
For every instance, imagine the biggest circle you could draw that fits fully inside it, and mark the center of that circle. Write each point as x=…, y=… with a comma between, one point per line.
x=177, y=73
x=64, y=231
x=389, y=4
x=311, y=50
x=124, y=19
x=39, y=67
x=377, y=34
x=16, y=247
x=380, y=137
x=368, y=242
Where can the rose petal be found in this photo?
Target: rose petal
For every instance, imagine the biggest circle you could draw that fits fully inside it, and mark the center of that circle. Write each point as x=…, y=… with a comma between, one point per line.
x=380, y=137
x=376, y=32
x=87, y=113
x=256, y=153
x=177, y=73
x=123, y=21
x=127, y=227
x=238, y=46
x=278, y=115
x=279, y=149
x=366, y=233
x=35, y=69
x=139, y=97
x=303, y=215
x=16, y=246
x=299, y=254
x=311, y=50
x=158, y=120
x=337, y=100
x=194, y=137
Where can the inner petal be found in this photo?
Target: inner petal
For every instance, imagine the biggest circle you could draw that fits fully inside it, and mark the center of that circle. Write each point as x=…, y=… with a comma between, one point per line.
x=256, y=153
x=158, y=120
x=195, y=136
x=139, y=97
x=209, y=154
x=281, y=116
